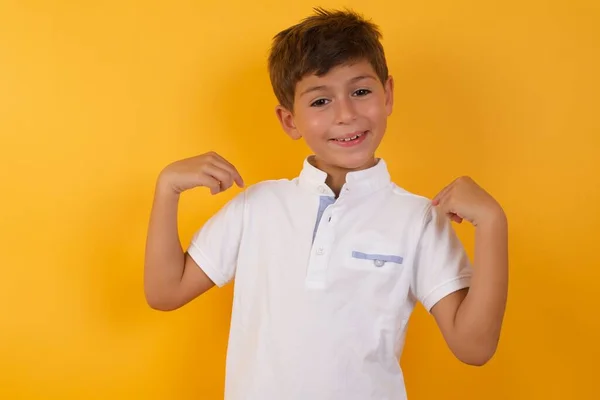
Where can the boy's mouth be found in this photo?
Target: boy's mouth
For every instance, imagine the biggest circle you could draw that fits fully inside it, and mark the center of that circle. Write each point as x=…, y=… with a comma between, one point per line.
x=353, y=138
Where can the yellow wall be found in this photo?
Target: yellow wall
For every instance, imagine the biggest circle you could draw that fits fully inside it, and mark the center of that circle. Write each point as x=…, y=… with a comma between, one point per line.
x=96, y=98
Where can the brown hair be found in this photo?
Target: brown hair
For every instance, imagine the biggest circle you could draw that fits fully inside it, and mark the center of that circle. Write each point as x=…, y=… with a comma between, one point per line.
x=319, y=43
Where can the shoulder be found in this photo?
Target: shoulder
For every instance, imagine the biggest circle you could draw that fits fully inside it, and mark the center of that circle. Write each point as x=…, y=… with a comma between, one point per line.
x=270, y=188
x=258, y=198
x=426, y=218
x=412, y=203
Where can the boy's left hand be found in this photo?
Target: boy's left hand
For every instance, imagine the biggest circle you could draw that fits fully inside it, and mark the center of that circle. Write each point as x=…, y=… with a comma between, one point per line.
x=465, y=199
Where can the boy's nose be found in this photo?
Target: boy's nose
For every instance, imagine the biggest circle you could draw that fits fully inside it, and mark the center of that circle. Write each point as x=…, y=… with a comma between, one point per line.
x=345, y=111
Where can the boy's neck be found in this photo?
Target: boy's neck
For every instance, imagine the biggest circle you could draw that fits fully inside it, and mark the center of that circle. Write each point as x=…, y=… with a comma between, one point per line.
x=336, y=176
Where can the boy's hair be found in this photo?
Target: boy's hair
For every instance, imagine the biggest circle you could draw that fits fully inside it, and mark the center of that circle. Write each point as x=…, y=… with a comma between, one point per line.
x=319, y=43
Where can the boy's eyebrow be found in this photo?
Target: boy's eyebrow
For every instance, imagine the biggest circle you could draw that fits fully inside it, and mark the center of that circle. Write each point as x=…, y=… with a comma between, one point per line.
x=322, y=87
x=361, y=77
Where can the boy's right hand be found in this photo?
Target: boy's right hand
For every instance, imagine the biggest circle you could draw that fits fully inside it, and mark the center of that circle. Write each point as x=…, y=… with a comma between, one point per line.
x=209, y=170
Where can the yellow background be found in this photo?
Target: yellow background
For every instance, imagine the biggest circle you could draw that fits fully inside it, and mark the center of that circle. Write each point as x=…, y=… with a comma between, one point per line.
x=97, y=97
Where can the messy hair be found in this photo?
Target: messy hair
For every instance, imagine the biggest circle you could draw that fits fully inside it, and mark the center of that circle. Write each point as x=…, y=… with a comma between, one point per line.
x=319, y=43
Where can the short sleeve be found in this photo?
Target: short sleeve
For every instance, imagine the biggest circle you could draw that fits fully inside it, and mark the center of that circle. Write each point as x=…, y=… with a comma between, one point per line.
x=441, y=263
x=215, y=246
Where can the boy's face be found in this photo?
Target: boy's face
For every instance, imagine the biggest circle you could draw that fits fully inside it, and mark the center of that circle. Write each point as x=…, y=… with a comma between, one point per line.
x=342, y=115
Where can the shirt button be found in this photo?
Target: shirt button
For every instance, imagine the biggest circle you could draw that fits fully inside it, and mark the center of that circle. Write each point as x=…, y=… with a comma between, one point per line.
x=379, y=263
x=322, y=189
x=320, y=251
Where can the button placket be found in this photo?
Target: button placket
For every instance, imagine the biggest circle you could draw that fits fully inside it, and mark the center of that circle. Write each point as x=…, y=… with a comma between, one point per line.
x=319, y=258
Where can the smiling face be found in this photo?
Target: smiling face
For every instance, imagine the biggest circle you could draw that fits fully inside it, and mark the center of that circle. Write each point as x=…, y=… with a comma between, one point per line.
x=341, y=115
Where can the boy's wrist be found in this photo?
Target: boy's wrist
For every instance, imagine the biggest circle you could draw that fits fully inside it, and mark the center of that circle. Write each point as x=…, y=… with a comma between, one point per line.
x=495, y=218
x=164, y=187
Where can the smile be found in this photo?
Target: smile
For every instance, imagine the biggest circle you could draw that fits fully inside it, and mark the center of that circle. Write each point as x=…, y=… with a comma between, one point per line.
x=352, y=139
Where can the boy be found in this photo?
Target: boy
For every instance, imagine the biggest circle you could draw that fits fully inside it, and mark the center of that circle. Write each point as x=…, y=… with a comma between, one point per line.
x=329, y=266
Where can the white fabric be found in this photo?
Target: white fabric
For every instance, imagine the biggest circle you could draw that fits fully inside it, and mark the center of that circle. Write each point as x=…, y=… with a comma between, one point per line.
x=326, y=320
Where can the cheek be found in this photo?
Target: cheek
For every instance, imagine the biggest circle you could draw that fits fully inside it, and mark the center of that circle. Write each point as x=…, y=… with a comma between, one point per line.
x=376, y=112
x=314, y=124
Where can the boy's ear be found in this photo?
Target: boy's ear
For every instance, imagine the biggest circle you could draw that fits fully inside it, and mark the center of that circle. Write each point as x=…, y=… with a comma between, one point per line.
x=286, y=119
x=389, y=95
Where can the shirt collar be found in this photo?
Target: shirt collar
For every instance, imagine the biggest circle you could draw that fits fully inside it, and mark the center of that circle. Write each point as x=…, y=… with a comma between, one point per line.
x=365, y=181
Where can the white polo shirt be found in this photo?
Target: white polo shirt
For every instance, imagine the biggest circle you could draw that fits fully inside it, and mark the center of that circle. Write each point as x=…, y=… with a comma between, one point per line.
x=324, y=287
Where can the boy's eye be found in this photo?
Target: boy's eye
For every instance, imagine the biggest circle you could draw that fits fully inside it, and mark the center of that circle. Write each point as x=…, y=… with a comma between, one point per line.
x=319, y=103
x=362, y=92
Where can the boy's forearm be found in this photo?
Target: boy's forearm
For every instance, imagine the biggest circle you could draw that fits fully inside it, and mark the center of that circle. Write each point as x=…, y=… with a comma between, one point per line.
x=164, y=258
x=479, y=317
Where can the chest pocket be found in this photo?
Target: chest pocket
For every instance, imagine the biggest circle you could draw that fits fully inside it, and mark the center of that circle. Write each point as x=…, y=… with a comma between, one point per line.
x=377, y=262
x=374, y=254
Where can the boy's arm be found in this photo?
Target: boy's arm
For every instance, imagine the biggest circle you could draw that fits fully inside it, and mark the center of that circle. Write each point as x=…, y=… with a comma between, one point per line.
x=171, y=277
x=471, y=319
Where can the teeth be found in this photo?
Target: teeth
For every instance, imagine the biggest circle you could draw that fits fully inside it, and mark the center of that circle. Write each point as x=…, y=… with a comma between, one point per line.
x=351, y=138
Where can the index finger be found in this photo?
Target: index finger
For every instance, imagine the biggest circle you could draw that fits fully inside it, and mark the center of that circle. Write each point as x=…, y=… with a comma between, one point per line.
x=436, y=200
x=226, y=165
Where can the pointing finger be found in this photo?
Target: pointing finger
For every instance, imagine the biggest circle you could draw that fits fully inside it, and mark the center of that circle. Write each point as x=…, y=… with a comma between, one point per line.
x=440, y=196
x=226, y=165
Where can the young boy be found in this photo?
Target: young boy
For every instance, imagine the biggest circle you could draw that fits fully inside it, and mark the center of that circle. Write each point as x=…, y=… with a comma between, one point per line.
x=329, y=266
